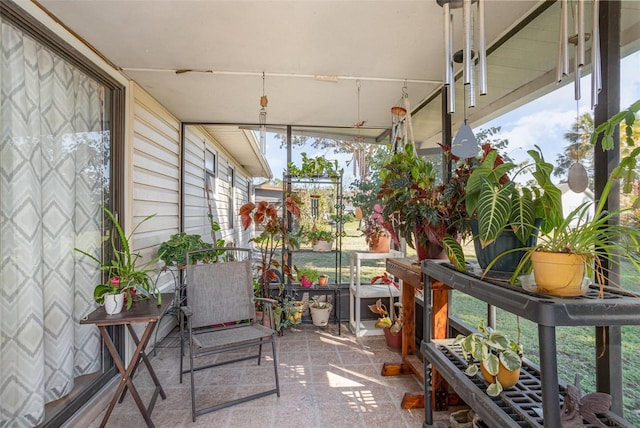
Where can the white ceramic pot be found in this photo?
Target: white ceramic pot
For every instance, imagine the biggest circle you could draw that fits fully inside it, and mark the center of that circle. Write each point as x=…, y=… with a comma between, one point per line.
x=320, y=316
x=113, y=303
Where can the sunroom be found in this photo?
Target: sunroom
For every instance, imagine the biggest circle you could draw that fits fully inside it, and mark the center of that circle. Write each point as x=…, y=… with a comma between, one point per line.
x=156, y=108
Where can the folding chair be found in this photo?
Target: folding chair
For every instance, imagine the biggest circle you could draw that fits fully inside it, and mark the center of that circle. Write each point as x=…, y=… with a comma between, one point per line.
x=220, y=317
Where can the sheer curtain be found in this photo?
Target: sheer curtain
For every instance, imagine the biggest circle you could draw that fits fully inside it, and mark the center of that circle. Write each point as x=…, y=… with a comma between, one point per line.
x=53, y=175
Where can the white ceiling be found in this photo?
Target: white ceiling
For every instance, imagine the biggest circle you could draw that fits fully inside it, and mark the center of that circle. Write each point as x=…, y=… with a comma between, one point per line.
x=382, y=44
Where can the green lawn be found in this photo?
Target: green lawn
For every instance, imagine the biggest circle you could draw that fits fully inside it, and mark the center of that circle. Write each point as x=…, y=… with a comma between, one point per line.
x=575, y=344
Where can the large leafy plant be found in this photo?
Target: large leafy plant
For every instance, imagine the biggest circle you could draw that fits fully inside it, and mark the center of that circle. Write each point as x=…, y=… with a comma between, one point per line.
x=411, y=199
x=273, y=233
x=123, y=271
x=497, y=203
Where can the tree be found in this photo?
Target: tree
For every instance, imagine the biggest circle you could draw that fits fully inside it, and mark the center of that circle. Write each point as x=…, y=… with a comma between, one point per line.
x=360, y=151
x=579, y=149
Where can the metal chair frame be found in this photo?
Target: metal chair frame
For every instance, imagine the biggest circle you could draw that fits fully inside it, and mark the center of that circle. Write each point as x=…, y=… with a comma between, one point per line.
x=212, y=333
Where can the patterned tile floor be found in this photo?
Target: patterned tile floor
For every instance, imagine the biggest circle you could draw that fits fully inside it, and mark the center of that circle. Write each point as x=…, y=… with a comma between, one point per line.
x=326, y=380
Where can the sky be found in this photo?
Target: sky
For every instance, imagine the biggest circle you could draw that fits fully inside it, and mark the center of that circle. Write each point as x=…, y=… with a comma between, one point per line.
x=541, y=122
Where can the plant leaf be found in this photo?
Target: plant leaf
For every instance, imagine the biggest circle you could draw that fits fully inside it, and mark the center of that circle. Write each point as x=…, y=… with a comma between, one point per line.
x=494, y=209
x=455, y=253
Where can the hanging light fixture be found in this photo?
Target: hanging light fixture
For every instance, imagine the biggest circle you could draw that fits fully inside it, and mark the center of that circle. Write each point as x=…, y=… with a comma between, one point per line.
x=578, y=38
x=263, y=119
x=469, y=18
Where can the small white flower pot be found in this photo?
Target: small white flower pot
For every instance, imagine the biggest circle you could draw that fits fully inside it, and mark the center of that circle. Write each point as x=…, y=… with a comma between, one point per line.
x=113, y=303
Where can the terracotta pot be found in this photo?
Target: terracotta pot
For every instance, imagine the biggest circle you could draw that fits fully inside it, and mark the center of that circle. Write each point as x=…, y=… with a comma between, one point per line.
x=394, y=341
x=432, y=251
x=323, y=280
x=380, y=244
x=506, y=377
x=559, y=274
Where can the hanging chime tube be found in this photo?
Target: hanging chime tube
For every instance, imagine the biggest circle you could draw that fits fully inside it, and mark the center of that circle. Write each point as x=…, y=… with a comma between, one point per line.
x=452, y=86
x=472, y=76
x=447, y=46
x=580, y=33
x=576, y=50
x=482, y=50
x=596, y=76
x=466, y=53
x=564, y=30
x=561, y=47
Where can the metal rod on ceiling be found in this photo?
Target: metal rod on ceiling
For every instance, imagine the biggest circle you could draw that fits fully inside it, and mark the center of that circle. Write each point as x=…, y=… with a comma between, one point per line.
x=482, y=50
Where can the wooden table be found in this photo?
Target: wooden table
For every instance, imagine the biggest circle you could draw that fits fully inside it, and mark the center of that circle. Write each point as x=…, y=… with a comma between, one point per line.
x=146, y=311
x=408, y=271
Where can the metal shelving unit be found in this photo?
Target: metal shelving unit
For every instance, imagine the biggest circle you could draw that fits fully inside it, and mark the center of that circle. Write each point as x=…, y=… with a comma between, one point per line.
x=618, y=307
x=333, y=182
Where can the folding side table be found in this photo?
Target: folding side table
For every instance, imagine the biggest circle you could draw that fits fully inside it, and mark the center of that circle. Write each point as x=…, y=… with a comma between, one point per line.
x=146, y=311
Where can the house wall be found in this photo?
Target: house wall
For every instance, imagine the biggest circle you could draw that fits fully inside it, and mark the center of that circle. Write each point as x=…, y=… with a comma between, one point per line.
x=153, y=185
x=196, y=202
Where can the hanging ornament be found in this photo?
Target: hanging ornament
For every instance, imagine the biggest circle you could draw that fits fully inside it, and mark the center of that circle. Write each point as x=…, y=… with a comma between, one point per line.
x=465, y=145
x=398, y=139
x=263, y=118
x=577, y=177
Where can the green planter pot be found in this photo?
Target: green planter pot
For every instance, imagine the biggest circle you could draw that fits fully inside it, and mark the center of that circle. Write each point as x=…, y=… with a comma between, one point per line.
x=507, y=240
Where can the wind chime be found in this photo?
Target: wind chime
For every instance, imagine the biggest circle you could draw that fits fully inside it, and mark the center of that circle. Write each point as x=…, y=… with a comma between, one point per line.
x=577, y=176
x=464, y=144
x=359, y=157
x=263, y=118
x=401, y=126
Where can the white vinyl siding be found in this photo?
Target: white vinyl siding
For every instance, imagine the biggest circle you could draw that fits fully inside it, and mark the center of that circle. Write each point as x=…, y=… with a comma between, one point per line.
x=155, y=173
x=195, y=201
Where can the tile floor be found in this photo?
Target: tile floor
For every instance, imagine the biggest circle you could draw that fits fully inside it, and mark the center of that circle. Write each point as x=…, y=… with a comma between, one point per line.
x=326, y=380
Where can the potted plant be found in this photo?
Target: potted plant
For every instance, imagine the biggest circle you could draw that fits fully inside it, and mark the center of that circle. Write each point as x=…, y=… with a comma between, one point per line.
x=390, y=322
x=414, y=206
x=124, y=276
x=315, y=167
x=274, y=230
x=376, y=235
x=323, y=280
x=306, y=276
x=585, y=242
x=502, y=215
x=500, y=358
x=320, y=311
x=320, y=240
x=173, y=252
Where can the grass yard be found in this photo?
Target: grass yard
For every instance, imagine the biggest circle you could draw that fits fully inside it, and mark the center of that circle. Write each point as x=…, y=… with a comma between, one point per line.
x=575, y=344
